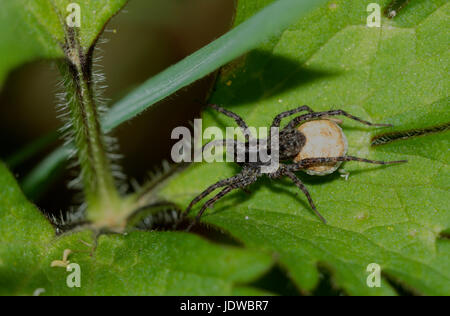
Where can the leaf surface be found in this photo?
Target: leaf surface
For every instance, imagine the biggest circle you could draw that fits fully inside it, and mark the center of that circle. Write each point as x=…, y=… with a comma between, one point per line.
x=392, y=216
x=139, y=263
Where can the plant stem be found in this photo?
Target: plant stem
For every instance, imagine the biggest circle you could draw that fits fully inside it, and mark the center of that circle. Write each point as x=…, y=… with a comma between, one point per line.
x=102, y=197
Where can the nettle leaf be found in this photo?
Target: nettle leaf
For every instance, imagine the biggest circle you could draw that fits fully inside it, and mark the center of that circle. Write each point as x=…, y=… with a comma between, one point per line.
x=393, y=216
x=34, y=29
x=140, y=263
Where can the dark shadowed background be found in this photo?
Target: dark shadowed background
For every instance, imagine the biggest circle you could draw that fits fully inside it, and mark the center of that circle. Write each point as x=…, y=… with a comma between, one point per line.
x=142, y=40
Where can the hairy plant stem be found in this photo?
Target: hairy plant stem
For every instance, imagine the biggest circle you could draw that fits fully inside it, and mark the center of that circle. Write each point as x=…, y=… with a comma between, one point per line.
x=105, y=208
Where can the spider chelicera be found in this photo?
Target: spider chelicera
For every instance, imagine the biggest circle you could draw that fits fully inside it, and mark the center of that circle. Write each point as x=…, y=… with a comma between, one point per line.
x=293, y=141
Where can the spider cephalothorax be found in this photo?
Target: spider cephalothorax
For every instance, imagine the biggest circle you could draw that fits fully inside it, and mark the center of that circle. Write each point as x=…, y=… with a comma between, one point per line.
x=312, y=142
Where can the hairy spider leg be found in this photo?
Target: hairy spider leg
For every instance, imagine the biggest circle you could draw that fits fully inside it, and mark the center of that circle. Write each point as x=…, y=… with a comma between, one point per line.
x=277, y=120
x=316, y=115
x=307, y=162
x=302, y=187
x=210, y=203
x=219, y=184
x=246, y=177
x=239, y=120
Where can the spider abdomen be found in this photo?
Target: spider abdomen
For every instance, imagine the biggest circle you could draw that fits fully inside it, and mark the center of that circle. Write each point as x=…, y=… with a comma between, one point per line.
x=324, y=138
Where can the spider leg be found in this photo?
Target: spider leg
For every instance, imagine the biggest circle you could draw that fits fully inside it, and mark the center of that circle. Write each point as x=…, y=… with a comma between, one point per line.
x=239, y=121
x=307, y=162
x=211, y=188
x=213, y=200
x=317, y=115
x=277, y=120
x=302, y=187
x=247, y=176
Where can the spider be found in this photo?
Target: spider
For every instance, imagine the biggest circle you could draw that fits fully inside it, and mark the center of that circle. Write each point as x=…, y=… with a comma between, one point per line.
x=298, y=144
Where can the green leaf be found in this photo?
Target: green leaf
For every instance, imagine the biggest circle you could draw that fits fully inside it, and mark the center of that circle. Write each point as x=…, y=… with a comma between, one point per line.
x=392, y=216
x=34, y=29
x=140, y=263
x=23, y=232
x=259, y=28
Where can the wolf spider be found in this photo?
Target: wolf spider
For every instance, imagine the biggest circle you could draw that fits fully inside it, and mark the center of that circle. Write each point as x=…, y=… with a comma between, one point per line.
x=291, y=143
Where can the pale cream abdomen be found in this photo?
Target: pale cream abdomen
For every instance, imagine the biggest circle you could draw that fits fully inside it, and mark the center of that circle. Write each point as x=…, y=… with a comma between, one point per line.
x=324, y=138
